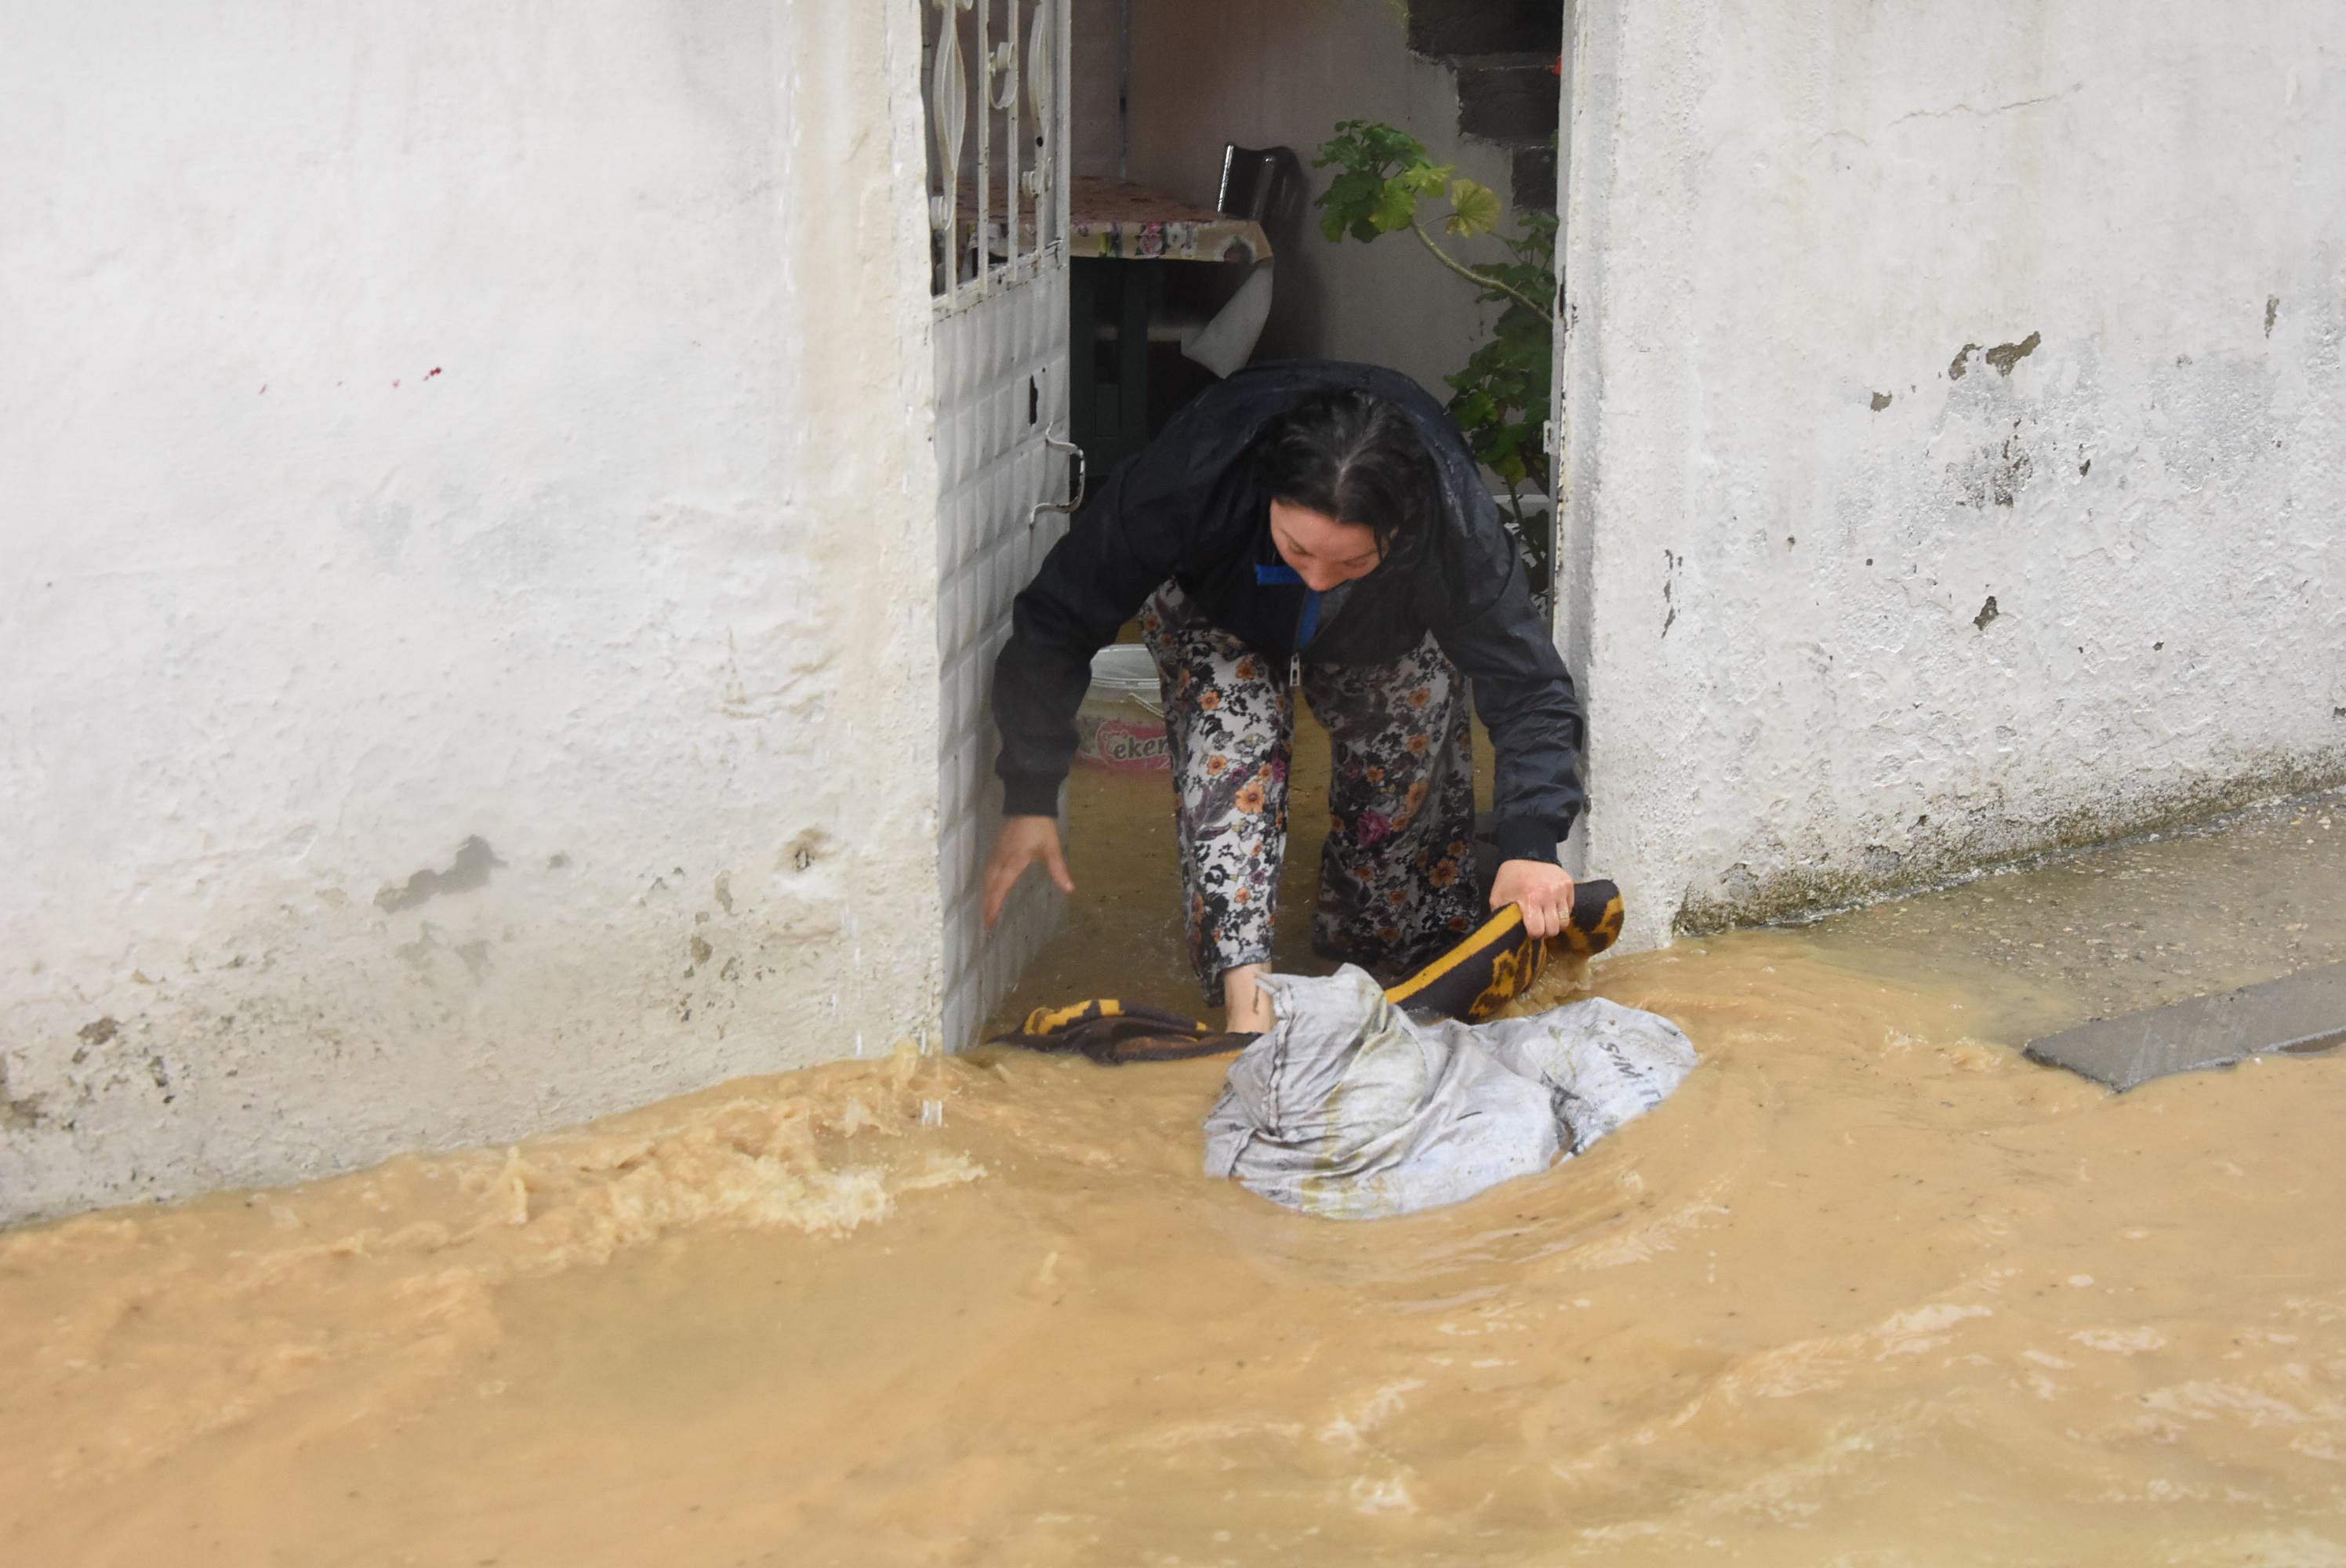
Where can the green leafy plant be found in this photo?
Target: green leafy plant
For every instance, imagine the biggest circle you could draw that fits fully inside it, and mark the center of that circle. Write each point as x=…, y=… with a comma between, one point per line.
x=1500, y=399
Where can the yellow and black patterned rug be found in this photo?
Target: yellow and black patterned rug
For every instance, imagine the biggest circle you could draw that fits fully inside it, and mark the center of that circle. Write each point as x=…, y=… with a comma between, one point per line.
x=1472, y=981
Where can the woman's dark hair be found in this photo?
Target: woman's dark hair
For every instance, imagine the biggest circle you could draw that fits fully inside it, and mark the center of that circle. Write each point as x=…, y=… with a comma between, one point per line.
x=1354, y=456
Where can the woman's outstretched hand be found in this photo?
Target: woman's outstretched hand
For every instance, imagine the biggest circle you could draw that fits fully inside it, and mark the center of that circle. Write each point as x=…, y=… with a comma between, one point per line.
x=1545, y=890
x=1024, y=840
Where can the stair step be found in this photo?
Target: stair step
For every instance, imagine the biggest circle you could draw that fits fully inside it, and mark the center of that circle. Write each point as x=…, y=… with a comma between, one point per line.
x=1509, y=103
x=1507, y=62
x=1486, y=26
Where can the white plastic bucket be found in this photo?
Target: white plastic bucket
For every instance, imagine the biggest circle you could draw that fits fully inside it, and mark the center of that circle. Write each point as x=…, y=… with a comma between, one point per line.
x=1121, y=725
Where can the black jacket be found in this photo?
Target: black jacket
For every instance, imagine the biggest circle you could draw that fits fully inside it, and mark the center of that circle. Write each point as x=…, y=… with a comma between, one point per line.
x=1187, y=508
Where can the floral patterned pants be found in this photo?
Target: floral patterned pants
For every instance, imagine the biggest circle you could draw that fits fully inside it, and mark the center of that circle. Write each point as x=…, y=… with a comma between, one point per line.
x=1397, y=878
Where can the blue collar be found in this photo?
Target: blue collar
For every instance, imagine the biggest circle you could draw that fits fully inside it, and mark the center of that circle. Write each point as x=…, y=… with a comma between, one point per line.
x=1283, y=575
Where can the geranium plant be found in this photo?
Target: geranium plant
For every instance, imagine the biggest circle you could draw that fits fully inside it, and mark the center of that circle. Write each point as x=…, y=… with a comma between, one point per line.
x=1500, y=399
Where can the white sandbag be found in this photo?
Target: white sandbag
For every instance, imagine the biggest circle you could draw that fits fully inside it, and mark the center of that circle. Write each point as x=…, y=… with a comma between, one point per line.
x=1348, y=1109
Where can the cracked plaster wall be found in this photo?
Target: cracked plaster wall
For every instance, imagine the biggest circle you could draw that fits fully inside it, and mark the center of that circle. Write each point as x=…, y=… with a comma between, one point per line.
x=463, y=471
x=1955, y=432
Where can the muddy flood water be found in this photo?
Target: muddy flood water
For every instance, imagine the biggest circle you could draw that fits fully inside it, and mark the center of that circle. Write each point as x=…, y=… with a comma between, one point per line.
x=1870, y=1289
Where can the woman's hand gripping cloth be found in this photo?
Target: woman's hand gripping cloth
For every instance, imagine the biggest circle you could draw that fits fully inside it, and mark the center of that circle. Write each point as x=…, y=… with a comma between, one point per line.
x=1349, y=1109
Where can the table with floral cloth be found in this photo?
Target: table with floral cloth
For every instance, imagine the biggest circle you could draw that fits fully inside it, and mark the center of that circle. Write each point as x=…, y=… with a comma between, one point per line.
x=1119, y=220
x=1113, y=306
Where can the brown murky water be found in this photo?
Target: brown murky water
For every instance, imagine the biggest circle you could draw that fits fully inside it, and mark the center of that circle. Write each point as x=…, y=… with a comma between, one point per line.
x=1870, y=1289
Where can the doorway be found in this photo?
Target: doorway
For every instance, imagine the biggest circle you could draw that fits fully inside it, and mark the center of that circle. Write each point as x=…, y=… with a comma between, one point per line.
x=994, y=76
x=1149, y=94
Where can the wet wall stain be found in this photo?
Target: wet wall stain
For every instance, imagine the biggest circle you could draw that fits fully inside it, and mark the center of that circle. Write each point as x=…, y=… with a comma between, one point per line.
x=1978, y=841
x=2003, y=356
x=2272, y=309
x=1996, y=472
x=471, y=869
x=2009, y=473
x=99, y=1031
x=20, y=1113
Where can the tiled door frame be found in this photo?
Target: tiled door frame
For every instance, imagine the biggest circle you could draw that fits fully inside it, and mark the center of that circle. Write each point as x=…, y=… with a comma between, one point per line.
x=998, y=211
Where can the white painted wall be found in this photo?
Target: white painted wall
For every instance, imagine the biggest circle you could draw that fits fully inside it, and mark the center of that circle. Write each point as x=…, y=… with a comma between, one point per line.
x=1096, y=84
x=1206, y=72
x=449, y=422
x=1780, y=215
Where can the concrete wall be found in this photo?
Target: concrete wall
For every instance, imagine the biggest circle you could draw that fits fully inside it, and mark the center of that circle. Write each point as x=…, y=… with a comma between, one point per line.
x=1097, y=36
x=1955, y=430
x=1210, y=72
x=467, y=630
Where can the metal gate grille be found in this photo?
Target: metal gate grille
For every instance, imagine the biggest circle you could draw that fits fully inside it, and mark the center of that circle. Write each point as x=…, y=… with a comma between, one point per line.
x=997, y=199
x=998, y=223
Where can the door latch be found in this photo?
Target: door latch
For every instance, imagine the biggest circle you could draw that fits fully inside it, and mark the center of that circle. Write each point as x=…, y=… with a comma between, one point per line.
x=1053, y=443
